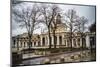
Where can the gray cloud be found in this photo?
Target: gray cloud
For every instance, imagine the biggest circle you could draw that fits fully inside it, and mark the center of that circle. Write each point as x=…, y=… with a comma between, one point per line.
x=86, y=11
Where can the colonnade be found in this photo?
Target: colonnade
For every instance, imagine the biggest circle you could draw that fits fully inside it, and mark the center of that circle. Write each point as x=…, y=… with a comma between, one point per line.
x=60, y=41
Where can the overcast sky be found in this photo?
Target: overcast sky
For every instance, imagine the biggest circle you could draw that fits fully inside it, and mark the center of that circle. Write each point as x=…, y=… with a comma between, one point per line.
x=86, y=11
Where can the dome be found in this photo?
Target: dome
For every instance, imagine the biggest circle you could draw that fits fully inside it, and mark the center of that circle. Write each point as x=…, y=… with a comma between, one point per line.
x=61, y=28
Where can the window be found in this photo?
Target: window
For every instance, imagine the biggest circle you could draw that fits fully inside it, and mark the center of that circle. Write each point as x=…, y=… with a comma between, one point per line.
x=14, y=43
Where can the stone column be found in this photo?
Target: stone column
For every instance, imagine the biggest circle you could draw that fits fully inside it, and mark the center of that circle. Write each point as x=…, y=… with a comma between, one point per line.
x=22, y=45
x=76, y=43
x=48, y=40
x=80, y=42
x=19, y=44
x=33, y=44
x=41, y=40
x=73, y=43
x=36, y=43
x=66, y=43
x=16, y=44
x=45, y=40
x=25, y=44
x=57, y=39
x=52, y=40
x=87, y=41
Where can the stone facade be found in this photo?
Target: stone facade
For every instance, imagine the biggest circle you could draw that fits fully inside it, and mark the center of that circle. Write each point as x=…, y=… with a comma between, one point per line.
x=62, y=37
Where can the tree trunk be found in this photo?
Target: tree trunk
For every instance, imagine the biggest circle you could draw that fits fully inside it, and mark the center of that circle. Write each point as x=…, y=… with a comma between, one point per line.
x=49, y=38
x=30, y=42
x=71, y=41
x=54, y=38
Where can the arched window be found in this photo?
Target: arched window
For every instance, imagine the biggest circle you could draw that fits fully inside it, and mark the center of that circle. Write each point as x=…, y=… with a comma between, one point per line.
x=60, y=40
x=43, y=42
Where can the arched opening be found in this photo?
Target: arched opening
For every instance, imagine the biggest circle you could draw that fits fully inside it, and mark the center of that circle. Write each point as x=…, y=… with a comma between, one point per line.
x=43, y=42
x=34, y=43
x=60, y=40
x=24, y=44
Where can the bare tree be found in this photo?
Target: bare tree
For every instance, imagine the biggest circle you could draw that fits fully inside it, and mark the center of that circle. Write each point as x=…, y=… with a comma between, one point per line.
x=28, y=19
x=81, y=27
x=49, y=12
x=57, y=19
x=70, y=18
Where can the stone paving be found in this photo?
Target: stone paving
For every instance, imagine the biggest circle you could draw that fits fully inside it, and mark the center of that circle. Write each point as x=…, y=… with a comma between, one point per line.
x=61, y=58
